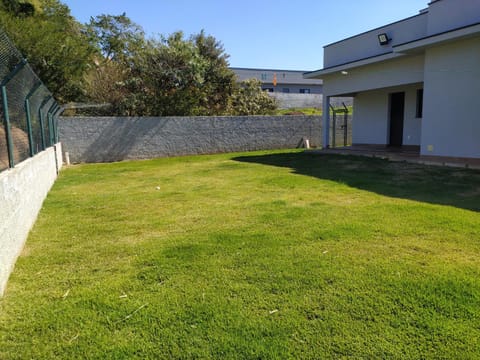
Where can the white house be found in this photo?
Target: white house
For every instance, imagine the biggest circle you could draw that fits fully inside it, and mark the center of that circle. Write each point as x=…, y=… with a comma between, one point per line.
x=415, y=82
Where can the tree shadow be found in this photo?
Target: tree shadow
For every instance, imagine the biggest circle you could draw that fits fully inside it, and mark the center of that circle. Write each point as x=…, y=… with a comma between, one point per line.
x=431, y=184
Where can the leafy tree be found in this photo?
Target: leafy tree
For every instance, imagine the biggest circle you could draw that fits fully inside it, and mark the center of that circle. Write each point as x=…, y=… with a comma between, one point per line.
x=118, y=41
x=117, y=37
x=174, y=76
x=250, y=99
x=220, y=81
x=53, y=42
x=173, y=73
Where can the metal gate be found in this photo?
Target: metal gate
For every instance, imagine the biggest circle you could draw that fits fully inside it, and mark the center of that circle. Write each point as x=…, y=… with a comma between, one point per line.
x=340, y=130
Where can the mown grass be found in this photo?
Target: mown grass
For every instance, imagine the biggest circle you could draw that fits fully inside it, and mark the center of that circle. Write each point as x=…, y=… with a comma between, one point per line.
x=308, y=111
x=304, y=111
x=270, y=255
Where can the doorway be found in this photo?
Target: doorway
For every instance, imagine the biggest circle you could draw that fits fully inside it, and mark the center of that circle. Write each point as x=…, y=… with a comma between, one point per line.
x=397, y=113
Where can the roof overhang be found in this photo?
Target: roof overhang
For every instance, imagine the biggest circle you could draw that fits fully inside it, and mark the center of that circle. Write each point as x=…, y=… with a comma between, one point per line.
x=344, y=67
x=415, y=46
x=446, y=37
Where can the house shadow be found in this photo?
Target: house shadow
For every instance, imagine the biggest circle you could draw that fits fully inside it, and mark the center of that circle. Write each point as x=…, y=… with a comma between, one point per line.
x=430, y=184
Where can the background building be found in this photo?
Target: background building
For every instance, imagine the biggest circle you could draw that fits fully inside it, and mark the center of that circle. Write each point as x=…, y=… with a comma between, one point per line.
x=287, y=81
x=289, y=87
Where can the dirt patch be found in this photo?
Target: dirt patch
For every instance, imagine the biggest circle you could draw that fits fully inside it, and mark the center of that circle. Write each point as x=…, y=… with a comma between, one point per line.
x=20, y=146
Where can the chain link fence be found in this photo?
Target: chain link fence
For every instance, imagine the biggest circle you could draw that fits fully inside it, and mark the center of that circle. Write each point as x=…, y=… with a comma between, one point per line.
x=28, y=111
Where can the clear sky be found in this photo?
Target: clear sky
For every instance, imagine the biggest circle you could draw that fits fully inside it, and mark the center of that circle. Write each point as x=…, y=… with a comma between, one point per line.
x=275, y=34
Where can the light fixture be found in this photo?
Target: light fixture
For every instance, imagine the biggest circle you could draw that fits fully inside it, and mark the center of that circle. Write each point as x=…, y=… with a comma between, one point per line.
x=383, y=39
x=344, y=72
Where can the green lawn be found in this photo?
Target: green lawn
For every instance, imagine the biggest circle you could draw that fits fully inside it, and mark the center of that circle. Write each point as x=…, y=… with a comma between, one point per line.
x=267, y=255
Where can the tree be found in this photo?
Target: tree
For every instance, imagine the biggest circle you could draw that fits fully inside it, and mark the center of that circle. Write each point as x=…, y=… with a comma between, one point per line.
x=169, y=75
x=18, y=8
x=178, y=76
x=53, y=42
x=118, y=41
x=117, y=37
x=250, y=99
x=219, y=83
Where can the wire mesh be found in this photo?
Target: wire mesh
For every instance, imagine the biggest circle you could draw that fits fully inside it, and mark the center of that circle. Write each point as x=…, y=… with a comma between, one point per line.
x=26, y=126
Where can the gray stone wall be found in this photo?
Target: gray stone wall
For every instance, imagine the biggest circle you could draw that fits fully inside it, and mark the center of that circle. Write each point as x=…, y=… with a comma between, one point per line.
x=22, y=192
x=106, y=139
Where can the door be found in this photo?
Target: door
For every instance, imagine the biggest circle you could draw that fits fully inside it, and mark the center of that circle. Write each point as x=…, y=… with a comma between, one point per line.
x=397, y=112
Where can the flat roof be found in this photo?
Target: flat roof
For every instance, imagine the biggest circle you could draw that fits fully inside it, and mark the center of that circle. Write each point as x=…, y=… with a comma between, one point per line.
x=264, y=69
x=456, y=33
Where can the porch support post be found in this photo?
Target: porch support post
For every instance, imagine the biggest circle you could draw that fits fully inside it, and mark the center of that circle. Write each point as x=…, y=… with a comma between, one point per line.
x=326, y=122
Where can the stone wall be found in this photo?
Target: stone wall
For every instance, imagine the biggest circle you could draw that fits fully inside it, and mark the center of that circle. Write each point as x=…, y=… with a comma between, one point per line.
x=22, y=192
x=106, y=139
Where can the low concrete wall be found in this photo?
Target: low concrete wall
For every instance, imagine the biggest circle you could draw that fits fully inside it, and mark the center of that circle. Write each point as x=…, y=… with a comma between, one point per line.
x=22, y=192
x=288, y=101
x=106, y=139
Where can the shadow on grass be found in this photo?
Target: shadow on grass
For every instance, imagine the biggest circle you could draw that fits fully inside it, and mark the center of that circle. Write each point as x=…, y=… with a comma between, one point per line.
x=431, y=184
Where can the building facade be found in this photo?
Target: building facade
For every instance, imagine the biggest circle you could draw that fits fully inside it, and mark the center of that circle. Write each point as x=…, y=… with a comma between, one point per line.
x=281, y=81
x=415, y=82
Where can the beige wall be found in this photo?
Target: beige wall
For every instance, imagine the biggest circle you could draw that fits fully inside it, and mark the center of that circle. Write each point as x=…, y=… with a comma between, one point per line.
x=371, y=116
x=400, y=71
x=451, y=125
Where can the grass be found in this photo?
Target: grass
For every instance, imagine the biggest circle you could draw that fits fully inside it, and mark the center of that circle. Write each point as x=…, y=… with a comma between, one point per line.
x=309, y=111
x=304, y=111
x=270, y=255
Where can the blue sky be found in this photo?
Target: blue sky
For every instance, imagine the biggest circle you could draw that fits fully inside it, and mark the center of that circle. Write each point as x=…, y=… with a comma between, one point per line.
x=276, y=34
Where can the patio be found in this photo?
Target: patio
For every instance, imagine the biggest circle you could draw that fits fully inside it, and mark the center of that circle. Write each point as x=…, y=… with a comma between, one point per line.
x=409, y=154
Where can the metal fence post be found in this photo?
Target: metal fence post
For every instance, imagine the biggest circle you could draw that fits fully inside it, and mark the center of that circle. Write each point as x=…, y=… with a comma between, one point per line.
x=42, y=120
x=55, y=119
x=51, y=126
x=8, y=133
x=6, y=115
x=29, y=116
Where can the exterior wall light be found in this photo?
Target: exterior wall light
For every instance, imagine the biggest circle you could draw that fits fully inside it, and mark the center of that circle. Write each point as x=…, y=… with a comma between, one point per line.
x=383, y=39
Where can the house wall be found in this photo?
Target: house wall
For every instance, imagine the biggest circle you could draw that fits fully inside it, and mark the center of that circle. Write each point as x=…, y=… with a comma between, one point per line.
x=451, y=125
x=448, y=15
x=370, y=124
x=22, y=192
x=366, y=45
x=400, y=71
x=371, y=116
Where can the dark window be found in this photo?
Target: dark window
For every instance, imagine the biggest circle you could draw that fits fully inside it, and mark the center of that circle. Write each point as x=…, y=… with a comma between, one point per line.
x=286, y=90
x=304, y=91
x=419, y=103
x=268, y=89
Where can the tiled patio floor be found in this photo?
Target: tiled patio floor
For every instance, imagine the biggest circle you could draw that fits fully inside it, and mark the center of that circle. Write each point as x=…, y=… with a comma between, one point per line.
x=407, y=154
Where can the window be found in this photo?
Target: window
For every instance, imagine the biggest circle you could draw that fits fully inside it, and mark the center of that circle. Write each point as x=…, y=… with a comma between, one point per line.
x=419, y=112
x=304, y=91
x=286, y=90
x=268, y=89
x=264, y=77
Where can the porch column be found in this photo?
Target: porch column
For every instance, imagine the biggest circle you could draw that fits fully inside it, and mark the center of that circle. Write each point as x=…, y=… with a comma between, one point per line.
x=326, y=122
